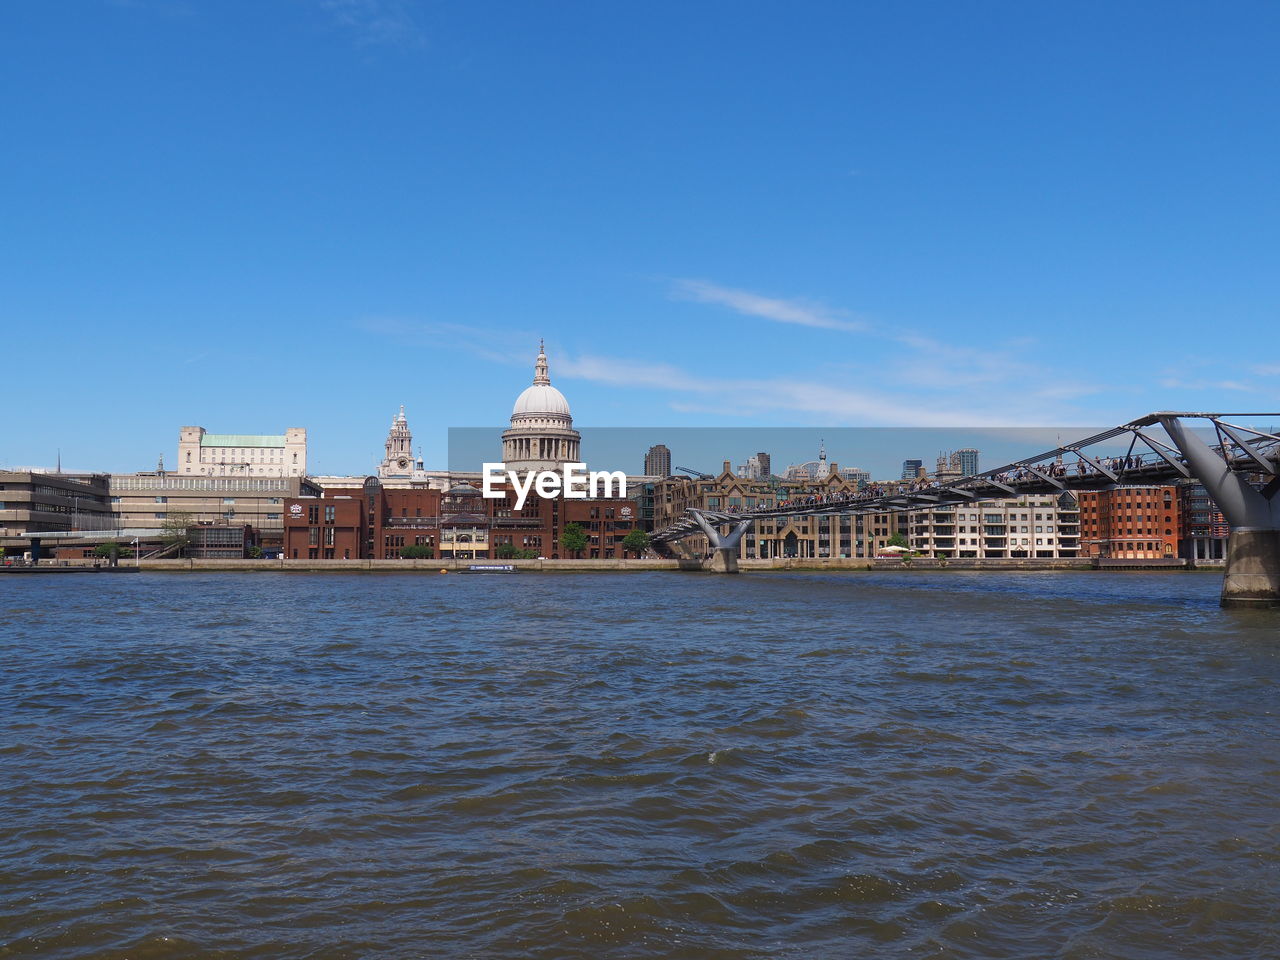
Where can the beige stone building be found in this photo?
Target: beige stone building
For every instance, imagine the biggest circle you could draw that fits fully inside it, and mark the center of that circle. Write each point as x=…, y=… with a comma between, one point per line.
x=204, y=454
x=1045, y=527
x=837, y=535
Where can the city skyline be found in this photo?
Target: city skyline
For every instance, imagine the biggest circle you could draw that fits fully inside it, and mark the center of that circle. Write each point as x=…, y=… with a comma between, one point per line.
x=242, y=216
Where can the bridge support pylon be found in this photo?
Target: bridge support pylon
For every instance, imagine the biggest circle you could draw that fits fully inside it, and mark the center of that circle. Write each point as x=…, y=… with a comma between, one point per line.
x=1252, y=577
x=724, y=558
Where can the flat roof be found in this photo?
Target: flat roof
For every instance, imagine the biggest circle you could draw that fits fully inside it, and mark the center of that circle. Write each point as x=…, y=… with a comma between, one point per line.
x=241, y=440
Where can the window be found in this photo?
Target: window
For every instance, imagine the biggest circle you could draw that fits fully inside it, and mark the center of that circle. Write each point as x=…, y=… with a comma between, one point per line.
x=228, y=499
x=162, y=499
x=330, y=514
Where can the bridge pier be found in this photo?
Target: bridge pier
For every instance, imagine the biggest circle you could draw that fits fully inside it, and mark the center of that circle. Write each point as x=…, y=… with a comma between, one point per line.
x=1252, y=577
x=724, y=557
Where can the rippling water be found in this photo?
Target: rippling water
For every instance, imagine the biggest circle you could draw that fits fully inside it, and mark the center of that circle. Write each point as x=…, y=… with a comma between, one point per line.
x=637, y=765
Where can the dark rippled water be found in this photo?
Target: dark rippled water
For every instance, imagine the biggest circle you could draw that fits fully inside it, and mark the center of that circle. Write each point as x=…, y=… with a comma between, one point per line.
x=639, y=765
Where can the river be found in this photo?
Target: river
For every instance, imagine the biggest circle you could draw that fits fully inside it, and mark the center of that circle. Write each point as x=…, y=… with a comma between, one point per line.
x=774, y=765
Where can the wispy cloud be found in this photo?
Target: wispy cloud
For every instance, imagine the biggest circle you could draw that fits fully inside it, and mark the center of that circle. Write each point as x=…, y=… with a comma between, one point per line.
x=688, y=391
x=1177, y=383
x=376, y=22
x=496, y=346
x=800, y=312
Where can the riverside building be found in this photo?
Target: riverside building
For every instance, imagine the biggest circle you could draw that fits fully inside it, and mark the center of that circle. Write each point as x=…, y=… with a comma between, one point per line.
x=204, y=454
x=1131, y=523
x=1041, y=527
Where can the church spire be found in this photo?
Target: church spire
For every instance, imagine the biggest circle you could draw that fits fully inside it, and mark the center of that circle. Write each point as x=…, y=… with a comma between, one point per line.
x=540, y=373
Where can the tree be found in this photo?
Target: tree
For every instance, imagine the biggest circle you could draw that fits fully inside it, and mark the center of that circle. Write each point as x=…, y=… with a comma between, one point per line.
x=177, y=532
x=897, y=540
x=255, y=552
x=419, y=551
x=509, y=551
x=573, y=538
x=112, y=551
x=637, y=542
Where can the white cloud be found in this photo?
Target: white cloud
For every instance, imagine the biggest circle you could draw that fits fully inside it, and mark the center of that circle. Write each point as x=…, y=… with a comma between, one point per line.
x=374, y=22
x=799, y=312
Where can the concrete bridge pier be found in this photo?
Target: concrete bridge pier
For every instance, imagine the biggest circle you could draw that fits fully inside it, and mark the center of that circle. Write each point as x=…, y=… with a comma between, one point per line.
x=1252, y=577
x=724, y=558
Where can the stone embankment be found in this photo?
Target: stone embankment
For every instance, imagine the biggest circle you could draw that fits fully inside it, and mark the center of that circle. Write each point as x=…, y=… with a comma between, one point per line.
x=579, y=566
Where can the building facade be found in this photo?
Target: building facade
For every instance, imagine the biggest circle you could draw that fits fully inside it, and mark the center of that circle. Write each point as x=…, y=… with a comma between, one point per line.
x=657, y=462
x=1131, y=523
x=803, y=538
x=1044, y=527
x=150, y=500
x=204, y=454
x=34, y=502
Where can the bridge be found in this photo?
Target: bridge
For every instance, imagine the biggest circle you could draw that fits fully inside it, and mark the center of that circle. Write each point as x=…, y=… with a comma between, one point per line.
x=1162, y=448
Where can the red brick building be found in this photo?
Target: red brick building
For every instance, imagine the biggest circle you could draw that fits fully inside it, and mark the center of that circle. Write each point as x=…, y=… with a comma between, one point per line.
x=1130, y=523
x=456, y=524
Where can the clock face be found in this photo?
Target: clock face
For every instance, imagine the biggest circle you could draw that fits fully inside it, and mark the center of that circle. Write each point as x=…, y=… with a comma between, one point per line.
x=403, y=462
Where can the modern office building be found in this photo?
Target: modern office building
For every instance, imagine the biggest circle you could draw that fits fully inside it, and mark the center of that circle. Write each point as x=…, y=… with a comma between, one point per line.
x=35, y=502
x=657, y=462
x=968, y=461
x=911, y=469
x=203, y=454
x=149, y=500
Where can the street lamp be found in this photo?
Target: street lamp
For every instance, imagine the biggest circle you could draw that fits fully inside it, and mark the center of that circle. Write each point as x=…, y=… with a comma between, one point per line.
x=137, y=552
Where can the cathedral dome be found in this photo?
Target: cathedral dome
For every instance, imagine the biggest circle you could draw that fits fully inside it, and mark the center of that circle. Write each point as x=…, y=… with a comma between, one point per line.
x=541, y=398
x=541, y=436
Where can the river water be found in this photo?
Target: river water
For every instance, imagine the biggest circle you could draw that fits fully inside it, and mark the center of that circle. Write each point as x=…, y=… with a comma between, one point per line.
x=775, y=765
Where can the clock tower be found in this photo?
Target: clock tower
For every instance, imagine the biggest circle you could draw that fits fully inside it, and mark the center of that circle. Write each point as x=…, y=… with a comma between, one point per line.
x=399, y=459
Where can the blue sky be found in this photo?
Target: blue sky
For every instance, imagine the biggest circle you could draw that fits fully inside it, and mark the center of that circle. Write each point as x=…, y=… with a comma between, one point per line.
x=253, y=215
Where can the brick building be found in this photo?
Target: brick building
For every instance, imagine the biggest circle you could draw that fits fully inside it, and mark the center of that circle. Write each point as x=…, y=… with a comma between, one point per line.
x=1130, y=523
x=378, y=522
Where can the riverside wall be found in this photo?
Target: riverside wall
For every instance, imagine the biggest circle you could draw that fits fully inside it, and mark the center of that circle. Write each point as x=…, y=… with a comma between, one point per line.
x=607, y=566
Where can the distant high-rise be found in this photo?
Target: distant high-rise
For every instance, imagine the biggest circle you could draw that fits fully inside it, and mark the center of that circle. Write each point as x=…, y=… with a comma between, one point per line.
x=765, y=465
x=911, y=469
x=657, y=462
x=968, y=461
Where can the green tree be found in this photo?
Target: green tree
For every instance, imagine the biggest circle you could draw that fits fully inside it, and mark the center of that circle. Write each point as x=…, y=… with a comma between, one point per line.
x=255, y=552
x=508, y=551
x=419, y=551
x=573, y=538
x=897, y=540
x=112, y=551
x=637, y=542
x=177, y=532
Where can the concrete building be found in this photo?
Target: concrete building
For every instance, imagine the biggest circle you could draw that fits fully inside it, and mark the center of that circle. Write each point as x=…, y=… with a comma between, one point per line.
x=148, y=500
x=36, y=502
x=968, y=461
x=1043, y=527
x=911, y=469
x=1131, y=523
x=203, y=454
x=657, y=462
